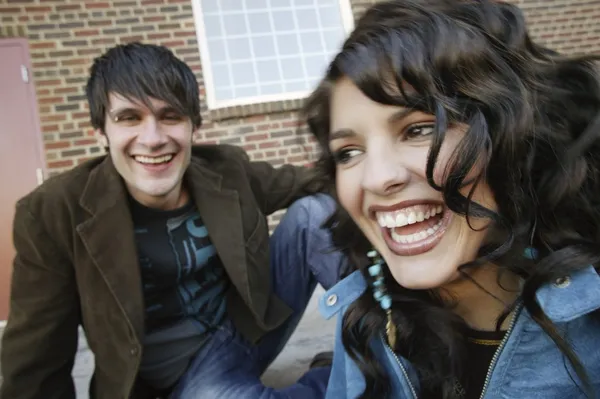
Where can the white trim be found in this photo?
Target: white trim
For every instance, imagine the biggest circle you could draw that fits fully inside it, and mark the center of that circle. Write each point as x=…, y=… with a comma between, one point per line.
x=209, y=87
x=2, y=323
x=347, y=15
x=204, y=56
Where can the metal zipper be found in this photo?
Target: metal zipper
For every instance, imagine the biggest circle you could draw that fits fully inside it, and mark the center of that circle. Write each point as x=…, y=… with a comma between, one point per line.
x=412, y=389
x=513, y=321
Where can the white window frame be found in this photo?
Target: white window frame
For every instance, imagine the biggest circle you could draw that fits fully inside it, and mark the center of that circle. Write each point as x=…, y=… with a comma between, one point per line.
x=212, y=103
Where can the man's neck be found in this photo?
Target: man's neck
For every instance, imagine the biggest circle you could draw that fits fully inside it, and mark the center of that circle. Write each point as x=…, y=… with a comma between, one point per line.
x=174, y=199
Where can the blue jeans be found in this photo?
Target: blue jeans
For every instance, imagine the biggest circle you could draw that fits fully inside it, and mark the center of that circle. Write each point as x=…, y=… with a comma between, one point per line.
x=229, y=367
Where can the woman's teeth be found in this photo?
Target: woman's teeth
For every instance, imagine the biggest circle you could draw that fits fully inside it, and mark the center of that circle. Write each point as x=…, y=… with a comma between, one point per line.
x=153, y=160
x=421, y=235
x=407, y=216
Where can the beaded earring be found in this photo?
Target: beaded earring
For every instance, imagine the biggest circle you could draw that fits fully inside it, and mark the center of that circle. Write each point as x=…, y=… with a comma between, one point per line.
x=381, y=295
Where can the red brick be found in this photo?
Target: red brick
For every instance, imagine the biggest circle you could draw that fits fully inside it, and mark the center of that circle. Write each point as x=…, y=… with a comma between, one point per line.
x=42, y=45
x=57, y=144
x=49, y=128
x=38, y=9
x=86, y=142
x=53, y=118
x=60, y=164
x=256, y=137
x=90, y=5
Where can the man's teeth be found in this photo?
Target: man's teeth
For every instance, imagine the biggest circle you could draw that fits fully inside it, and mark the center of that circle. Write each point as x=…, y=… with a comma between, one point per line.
x=407, y=216
x=421, y=235
x=153, y=160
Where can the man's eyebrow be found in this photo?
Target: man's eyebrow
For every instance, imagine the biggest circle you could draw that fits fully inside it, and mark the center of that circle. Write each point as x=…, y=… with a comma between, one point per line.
x=157, y=111
x=119, y=110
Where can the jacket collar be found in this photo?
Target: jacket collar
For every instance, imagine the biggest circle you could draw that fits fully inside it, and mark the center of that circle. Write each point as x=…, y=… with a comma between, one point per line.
x=563, y=300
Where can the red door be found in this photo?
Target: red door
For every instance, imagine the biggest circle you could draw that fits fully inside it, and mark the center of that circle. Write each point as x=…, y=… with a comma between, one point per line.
x=21, y=159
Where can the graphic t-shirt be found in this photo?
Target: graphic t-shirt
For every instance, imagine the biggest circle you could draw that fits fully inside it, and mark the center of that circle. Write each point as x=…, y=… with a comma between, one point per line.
x=184, y=285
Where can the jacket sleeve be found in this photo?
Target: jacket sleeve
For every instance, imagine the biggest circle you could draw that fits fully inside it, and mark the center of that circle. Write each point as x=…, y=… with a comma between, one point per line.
x=40, y=339
x=278, y=187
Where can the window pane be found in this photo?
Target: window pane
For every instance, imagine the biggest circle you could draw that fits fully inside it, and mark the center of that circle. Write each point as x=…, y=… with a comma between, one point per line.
x=307, y=19
x=259, y=22
x=212, y=26
x=287, y=44
x=223, y=94
x=235, y=24
x=292, y=68
x=243, y=73
x=283, y=21
x=315, y=65
x=271, y=88
x=330, y=17
x=209, y=6
x=230, y=5
x=295, y=86
x=216, y=49
x=239, y=49
x=268, y=71
x=311, y=42
x=256, y=4
x=280, y=3
x=263, y=46
x=250, y=91
x=333, y=40
x=221, y=76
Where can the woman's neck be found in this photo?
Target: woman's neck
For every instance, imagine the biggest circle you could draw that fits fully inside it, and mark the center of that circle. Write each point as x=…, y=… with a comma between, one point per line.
x=481, y=299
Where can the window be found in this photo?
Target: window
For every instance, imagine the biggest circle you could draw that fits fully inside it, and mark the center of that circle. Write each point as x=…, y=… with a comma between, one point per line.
x=256, y=51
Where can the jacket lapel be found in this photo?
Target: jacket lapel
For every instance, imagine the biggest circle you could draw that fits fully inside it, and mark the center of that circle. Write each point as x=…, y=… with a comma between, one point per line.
x=108, y=236
x=220, y=211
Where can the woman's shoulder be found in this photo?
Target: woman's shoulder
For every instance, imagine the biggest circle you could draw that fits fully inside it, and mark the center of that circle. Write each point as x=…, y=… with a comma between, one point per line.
x=571, y=296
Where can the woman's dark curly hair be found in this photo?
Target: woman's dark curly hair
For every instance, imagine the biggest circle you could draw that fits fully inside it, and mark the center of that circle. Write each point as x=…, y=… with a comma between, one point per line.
x=534, y=113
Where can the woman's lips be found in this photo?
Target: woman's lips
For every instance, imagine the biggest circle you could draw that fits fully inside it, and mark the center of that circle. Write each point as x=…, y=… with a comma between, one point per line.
x=420, y=242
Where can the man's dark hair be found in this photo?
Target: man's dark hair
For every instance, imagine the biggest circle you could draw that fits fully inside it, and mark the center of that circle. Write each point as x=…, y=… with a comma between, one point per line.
x=139, y=71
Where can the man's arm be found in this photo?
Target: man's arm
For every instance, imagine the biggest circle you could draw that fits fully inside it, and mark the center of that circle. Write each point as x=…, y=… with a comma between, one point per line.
x=40, y=339
x=278, y=187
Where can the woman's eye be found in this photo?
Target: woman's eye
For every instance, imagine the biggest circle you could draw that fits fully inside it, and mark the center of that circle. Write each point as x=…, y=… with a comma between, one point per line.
x=419, y=131
x=345, y=155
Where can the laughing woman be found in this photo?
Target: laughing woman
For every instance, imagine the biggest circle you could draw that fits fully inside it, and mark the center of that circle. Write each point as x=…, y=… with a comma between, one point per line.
x=466, y=161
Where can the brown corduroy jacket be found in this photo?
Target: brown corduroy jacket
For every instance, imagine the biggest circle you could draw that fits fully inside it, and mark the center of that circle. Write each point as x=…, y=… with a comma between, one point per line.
x=76, y=264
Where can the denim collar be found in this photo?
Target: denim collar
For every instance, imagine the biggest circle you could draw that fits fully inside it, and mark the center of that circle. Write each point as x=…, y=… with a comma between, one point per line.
x=564, y=300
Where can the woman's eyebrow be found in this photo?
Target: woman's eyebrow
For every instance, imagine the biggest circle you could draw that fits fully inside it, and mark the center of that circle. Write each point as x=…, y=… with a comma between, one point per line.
x=341, y=134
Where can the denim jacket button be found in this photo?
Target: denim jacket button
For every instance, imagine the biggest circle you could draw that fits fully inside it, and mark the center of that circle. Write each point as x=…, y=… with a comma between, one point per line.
x=562, y=282
x=332, y=300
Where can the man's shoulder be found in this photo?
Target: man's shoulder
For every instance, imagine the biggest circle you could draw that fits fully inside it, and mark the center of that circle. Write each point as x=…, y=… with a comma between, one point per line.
x=60, y=190
x=212, y=153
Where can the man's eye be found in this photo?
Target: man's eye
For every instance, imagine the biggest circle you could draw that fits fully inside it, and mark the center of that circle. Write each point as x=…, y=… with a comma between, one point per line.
x=126, y=118
x=345, y=155
x=172, y=117
x=419, y=130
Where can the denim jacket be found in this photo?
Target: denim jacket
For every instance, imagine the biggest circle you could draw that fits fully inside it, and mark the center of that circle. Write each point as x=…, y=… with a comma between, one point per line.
x=528, y=364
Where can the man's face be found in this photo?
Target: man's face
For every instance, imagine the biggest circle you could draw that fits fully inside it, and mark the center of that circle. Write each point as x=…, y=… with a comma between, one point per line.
x=150, y=148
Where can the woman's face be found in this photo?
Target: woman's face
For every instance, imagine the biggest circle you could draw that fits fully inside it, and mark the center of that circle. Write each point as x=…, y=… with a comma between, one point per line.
x=381, y=154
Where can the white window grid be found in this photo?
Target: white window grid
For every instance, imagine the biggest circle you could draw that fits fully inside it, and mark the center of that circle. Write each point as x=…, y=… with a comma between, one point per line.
x=285, y=85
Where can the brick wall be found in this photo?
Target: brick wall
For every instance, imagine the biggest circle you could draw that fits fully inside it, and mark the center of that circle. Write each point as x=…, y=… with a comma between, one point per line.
x=65, y=35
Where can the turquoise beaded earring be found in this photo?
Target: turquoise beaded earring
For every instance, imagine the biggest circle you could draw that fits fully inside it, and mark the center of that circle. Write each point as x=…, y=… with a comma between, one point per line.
x=381, y=295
